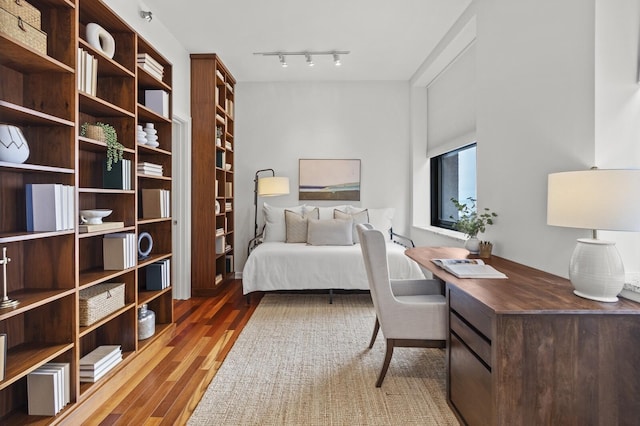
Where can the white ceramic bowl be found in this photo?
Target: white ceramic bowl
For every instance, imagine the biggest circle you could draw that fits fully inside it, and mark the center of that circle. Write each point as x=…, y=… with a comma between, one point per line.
x=94, y=216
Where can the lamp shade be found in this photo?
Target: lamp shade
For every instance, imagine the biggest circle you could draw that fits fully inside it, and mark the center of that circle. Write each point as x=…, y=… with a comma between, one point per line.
x=272, y=186
x=595, y=199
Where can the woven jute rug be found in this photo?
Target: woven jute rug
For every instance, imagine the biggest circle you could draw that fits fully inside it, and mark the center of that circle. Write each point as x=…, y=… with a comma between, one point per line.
x=303, y=361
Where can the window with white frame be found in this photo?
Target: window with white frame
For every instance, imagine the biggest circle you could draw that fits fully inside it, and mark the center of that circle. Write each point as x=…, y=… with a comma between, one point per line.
x=453, y=176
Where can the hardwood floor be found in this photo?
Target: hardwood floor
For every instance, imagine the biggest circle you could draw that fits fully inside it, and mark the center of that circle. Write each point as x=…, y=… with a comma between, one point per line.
x=169, y=387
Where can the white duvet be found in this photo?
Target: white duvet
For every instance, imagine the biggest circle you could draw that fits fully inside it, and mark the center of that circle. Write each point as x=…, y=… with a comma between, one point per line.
x=286, y=266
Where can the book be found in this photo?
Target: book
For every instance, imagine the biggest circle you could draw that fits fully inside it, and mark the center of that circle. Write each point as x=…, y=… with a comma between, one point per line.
x=99, y=356
x=43, y=393
x=64, y=367
x=468, y=268
x=157, y=101
x=85, y=227
x=119, y=177
x=46, y=207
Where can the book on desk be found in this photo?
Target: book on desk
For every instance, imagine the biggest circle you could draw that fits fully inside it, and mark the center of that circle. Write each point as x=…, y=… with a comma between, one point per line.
x=468, y=268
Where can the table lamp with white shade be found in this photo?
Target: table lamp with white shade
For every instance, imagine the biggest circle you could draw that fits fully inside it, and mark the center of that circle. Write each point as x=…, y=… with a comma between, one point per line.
x=598, y=200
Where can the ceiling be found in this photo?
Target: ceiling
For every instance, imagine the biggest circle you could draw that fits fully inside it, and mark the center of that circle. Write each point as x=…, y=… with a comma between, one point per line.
x=388, y=40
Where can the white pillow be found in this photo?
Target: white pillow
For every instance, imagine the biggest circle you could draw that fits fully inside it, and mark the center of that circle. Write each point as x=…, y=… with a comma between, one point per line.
x=359, y=217
x=330, y=232
x=327, y=212
x=275, y=228
x=382, y=219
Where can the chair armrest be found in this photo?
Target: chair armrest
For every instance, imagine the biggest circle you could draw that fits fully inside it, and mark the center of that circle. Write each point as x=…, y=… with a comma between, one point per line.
x=415, y=287
x=401, y=239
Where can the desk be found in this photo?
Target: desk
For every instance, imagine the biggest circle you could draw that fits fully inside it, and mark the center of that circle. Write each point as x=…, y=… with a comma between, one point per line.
x=527, y=351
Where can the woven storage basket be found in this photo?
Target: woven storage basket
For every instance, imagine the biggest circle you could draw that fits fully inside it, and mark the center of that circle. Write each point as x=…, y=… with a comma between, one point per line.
x=95, y=132
x=100, y=300
x=24, y=10
x=19, y=30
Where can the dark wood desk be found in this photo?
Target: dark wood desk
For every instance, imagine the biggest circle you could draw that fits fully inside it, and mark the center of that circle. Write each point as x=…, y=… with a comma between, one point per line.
x=527, y=351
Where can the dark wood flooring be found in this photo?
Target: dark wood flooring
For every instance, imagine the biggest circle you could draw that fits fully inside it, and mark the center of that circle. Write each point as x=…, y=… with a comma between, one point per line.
x=168, y=388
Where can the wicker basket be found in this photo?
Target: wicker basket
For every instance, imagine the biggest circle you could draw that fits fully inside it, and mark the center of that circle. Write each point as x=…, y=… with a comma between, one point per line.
x=24, y=10
x=95, y=132
x=19, y=30
x=100, y=300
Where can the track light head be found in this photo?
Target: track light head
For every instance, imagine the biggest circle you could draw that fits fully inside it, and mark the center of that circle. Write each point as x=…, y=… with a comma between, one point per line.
x=146, y=15
x=336, y=60
x=283, y=61
x=309, y=60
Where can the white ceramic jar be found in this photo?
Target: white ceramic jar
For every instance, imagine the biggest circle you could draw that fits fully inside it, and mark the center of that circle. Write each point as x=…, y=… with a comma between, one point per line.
x=13, y=145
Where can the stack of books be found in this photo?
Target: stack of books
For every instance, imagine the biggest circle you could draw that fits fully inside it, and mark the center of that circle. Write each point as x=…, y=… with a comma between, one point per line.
x=119, y=177
x=50, y=207
x=48, y=389
x=156, y=203
x=159, y=275
x=99, y=362
x=119, y=251
x=87, y=72
x=104, y=226
x=228, y=206
x=150, y=169
x=150, y=65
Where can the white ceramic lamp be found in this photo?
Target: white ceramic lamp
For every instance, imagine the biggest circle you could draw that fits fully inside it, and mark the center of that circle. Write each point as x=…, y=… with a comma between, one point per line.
x=598, y=200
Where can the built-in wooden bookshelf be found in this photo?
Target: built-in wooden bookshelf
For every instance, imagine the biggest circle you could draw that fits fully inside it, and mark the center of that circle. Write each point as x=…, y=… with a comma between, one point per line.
x=39, y=93
x=212, y=174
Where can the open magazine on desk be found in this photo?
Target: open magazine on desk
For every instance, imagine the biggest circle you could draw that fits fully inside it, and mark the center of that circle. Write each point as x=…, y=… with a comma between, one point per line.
x=468, y=268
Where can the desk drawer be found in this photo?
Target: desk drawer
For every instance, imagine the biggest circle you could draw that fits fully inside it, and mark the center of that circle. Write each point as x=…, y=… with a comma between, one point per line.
x=472, y=311
x=478, y=344
x=469, y=385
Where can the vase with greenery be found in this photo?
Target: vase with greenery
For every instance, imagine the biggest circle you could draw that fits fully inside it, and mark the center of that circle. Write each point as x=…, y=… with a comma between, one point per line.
x=110, y=137
x=471, y=222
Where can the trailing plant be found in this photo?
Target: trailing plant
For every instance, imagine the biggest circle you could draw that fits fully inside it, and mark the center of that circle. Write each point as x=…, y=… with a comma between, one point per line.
x=114, y=148
x=469, y=221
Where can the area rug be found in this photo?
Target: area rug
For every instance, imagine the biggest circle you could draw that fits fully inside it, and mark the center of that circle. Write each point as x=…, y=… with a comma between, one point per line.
x=303, y=361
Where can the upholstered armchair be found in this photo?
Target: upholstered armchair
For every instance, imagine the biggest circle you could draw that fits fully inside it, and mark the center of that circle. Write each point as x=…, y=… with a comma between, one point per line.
x=411, y=313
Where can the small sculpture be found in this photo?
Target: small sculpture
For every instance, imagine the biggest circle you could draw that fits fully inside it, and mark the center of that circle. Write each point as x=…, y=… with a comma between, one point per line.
x=6, y=302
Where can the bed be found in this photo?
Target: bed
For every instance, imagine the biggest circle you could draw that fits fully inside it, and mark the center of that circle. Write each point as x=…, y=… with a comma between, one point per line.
x=279, y=265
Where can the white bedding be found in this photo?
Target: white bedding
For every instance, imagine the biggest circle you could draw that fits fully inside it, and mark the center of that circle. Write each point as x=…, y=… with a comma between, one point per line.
x=286, y=266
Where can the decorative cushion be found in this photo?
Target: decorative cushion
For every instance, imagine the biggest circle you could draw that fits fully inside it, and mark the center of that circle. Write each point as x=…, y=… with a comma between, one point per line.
x=330, y=232
x=296, y=225
x=361, y=216
x=381, y=219
x=275, y=227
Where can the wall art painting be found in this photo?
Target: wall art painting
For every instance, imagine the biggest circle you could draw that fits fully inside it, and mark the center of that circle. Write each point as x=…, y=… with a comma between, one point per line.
x=329, y=179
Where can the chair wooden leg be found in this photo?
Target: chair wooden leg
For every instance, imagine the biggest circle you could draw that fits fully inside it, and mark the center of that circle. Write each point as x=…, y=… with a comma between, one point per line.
x=387, y=360
x=376, y=327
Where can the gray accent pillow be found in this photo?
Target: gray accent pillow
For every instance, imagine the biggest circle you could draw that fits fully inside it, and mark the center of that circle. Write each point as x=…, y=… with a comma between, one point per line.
x=296, y=225
x=358, y=217
x=330, y=232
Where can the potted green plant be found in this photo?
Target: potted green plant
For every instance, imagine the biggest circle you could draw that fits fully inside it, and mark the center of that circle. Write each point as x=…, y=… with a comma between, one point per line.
x=105, y=133
x=471, y=222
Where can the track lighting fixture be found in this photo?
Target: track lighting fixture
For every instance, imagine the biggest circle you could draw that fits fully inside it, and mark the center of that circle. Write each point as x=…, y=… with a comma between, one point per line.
x=146, y=15
x=308, y=55
x=309, y=60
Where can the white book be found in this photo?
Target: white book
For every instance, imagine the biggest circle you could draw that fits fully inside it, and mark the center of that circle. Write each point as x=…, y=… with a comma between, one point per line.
x=59, y=383
x=88, y=69
x=107, y=365
x=468, y=268
x=127, y=176
x=79, y=74
x=71, y=207
x=42, y=393
x=97, y=356
x=44, y=207
x=88, y=369
x=105, y=370
x=158, y=101
x=66, y=378
x=94, y=76
x=64, y=216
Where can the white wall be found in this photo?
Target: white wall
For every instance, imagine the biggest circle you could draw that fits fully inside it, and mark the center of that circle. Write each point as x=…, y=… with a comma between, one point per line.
x=279, y=123
x=535, y=115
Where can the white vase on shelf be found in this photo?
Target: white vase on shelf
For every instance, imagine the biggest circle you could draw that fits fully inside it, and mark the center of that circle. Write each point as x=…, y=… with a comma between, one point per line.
x=13, y=145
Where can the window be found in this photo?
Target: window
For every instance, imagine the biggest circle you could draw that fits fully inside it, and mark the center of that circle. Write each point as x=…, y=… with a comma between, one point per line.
x=453, y=175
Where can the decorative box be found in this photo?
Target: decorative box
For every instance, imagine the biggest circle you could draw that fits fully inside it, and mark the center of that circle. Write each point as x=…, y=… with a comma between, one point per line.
x=16, y=28
x=100, y=300
x=24, y=10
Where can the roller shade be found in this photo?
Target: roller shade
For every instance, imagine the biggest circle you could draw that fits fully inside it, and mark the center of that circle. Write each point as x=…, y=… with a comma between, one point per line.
x=451, y=105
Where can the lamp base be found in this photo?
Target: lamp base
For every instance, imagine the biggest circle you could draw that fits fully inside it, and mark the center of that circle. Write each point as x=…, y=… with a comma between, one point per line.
x=596, y=270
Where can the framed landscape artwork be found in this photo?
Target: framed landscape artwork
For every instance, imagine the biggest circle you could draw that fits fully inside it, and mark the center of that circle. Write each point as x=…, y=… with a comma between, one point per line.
x=322, y=179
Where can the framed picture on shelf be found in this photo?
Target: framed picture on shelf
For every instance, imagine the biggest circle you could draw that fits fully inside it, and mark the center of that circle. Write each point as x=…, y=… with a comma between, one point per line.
x=329, y=179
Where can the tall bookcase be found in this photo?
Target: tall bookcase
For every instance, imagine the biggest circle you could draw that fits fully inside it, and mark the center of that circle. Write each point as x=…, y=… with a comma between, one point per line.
x=212, y=174
x=39, y=93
